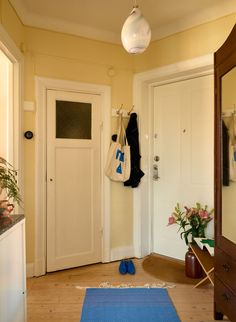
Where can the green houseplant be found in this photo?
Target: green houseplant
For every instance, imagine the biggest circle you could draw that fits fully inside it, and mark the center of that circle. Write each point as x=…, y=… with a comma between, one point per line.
x=9, y=189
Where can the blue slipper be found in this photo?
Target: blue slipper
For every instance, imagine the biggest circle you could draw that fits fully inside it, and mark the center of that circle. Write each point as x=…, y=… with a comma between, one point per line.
x=130, y=267
x=123, y=267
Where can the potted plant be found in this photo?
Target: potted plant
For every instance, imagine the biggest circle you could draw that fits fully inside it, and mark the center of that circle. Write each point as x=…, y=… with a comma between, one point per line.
x=192, y=223
x=9, y=190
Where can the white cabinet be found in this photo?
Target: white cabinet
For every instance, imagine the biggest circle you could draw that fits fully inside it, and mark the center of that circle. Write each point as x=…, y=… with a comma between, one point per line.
x=12, y=273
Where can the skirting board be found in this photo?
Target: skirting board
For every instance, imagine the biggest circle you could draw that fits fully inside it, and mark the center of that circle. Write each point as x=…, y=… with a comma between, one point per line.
x=116, y=254
x=122, y=252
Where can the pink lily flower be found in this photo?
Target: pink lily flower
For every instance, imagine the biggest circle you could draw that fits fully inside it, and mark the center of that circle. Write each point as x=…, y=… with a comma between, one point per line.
x=171, y=220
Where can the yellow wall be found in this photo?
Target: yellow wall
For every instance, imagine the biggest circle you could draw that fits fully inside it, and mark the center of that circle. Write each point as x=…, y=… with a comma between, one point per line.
x=1, y=11
x=228, y=91
x=11, y=22
x=29, y=188
x=201, y=40
x=57, y=55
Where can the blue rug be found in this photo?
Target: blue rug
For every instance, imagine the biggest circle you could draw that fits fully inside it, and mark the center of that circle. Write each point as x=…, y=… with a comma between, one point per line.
x=128, y=305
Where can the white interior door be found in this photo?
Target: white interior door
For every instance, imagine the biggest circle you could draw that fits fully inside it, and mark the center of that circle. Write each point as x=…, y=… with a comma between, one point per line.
x=73, y=180
x=183, y=141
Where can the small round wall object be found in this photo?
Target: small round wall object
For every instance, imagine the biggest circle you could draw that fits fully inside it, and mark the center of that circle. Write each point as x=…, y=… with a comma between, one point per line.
x=28, y=135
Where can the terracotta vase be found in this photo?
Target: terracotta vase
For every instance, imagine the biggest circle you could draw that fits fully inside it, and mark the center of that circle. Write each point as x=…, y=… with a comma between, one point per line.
x=192, y=267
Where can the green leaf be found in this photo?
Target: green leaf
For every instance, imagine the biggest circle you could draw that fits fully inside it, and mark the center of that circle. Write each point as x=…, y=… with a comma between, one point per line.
x=8, y=181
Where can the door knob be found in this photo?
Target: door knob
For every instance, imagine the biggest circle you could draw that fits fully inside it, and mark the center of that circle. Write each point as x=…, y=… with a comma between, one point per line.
x=156, y=158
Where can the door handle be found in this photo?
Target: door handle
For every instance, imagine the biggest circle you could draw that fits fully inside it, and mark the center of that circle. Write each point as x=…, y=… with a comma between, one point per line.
x=155, y=172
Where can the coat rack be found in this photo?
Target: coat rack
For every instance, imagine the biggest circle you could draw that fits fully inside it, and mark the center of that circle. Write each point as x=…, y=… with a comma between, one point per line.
x=121, y=110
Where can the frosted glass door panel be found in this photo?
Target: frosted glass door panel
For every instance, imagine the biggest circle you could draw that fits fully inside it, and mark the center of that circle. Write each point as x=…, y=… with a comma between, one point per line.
x=73, y=120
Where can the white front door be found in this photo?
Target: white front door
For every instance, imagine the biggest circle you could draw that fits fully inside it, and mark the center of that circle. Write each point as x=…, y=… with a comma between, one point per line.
x=183, y=142
x=73, y=179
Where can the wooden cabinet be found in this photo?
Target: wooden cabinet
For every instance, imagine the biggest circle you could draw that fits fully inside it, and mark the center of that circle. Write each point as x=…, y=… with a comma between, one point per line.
x=226, y=268
x=225, y=184
x=12, y=271
x=225, y=300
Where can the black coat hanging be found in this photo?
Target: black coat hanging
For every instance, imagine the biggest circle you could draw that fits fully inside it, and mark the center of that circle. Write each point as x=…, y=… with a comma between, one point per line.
x=132, y=135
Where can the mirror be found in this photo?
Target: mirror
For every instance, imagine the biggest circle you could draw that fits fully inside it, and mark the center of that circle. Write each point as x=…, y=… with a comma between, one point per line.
x=228, y=105
x=225, y=179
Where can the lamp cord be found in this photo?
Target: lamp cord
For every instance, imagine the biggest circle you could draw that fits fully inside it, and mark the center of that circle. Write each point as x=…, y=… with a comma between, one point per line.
x=135, y=4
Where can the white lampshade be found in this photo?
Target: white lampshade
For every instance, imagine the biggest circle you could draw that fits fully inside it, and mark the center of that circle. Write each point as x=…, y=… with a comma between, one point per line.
x=136, y=33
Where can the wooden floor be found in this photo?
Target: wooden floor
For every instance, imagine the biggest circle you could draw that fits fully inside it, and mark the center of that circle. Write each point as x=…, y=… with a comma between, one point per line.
x=59, y=296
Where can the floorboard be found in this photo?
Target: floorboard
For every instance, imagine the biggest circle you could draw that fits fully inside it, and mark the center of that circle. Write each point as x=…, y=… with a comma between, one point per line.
x=58, y=296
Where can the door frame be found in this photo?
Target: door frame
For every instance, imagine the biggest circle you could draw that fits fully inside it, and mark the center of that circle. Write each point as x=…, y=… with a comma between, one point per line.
x=143, y=91
x=9, y=48
x=42, y=85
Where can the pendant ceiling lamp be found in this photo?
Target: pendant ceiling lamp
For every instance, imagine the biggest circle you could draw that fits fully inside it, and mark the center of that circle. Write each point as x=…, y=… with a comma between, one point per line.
x=136, y=32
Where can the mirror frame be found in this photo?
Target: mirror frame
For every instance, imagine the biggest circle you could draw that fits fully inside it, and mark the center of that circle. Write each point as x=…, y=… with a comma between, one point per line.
x=224, y=61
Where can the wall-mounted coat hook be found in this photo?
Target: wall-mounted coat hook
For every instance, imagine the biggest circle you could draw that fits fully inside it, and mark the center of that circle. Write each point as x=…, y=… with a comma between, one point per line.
x=130, y=110
x=119, y=110
x=122, y=110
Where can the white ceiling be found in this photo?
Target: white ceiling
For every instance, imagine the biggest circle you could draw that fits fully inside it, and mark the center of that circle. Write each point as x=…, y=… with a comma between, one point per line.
x=103, y=19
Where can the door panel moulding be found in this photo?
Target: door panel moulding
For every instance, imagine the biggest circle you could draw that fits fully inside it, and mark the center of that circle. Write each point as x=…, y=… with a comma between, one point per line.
x=42, y=85
x=143, y=91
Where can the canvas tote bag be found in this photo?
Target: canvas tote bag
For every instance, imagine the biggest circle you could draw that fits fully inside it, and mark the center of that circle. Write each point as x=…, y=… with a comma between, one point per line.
x=118, y=158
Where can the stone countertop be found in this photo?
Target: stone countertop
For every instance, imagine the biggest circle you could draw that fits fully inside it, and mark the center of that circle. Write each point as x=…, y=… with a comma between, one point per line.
x=8, y=222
